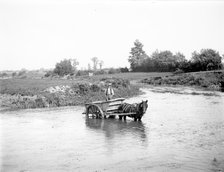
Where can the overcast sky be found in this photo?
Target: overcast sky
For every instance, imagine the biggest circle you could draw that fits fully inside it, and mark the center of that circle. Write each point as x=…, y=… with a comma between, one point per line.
x=37, y=34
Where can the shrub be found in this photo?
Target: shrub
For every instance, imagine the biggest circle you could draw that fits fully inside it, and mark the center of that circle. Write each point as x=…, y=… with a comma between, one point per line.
x=95, y=88
x=49, y=73
x=82, y=73
x=123, y=70
x=3, y=74
x=22, y=72
x=117, y=82
x=100, y=72
x=40, y=102
x=113, y=71
x=178, y=71
x=65, y=67
x=14, y=74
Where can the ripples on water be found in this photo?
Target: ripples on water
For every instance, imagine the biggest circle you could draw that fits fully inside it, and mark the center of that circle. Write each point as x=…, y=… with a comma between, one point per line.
x=183, y=130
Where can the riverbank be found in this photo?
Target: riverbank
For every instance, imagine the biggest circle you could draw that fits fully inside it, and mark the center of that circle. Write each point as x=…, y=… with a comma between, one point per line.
x=42, y=93
x=21, y=94
x=211, y=80
x=48, y=92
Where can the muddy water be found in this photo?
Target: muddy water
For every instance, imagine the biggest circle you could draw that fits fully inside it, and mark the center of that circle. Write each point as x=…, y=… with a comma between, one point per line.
x=183, y=130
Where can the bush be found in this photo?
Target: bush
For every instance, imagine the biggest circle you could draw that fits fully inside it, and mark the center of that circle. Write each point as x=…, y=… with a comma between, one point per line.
x=113, y=71
x=178, y=71
x=82, y=73
x=100, y=72
x=49, y=73
x=14, y=74
x=22, y=72
x=80, y=88
x=3, y=74
x=124, y=70
x=65, y=67
x=117, y=82
x=95, y=88
x=41, y=102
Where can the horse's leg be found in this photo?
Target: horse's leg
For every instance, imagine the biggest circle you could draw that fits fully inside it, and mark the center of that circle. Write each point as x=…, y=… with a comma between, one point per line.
x=120, y=117
x=125, y=117
x=140, y=118
x=135, y=119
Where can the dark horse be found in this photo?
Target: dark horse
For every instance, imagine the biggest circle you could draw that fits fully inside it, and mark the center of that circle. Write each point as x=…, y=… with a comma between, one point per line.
x=138, y=108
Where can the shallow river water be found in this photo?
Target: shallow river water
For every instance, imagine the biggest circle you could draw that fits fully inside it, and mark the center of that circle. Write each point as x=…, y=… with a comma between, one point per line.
x=182, y=130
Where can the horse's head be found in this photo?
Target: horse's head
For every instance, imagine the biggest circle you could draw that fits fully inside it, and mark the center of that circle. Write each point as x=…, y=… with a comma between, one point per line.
x=143, y=106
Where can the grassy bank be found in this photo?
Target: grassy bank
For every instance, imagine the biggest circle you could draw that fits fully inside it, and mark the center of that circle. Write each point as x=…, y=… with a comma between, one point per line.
x=212, y=80
x=40, y=93
x=46, y=92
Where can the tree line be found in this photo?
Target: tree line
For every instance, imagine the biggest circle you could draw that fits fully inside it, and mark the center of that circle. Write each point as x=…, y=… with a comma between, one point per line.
x=166, y=61
x=158, y=61
x=69, y=67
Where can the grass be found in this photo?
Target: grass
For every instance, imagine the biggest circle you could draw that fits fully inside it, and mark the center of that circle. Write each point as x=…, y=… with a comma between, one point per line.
x=31, y=93
x=134, y=75
x=212, y=80
x=29, y=86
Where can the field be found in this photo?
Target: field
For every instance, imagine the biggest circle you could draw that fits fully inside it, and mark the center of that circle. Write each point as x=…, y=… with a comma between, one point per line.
x=47, y=92
x=34, y=86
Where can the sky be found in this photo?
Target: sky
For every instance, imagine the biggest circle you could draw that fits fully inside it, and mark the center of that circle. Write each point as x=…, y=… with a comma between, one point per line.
x=38, y=34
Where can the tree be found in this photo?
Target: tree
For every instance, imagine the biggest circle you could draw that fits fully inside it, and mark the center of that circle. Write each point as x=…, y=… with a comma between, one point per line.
x=101, y=64
x=164, y=61
x=22, y=72
x=207, y=59
x=14, y=74
x=124, y=69
x=65, y=67
x=137, y=56
x=179, y=58
x=74, y=63
x=89, y=67
x=95, y=61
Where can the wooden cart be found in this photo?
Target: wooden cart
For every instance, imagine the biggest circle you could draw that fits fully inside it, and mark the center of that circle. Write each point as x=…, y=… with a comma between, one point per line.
x=104, y=109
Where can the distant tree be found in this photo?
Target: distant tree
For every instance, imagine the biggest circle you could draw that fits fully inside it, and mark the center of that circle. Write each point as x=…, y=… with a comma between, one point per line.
x=207, y=59
x=65, y=67
x=22, y=72
x=137, y=56
x=179, y=58
x=101, y=64
x=14, y=74
x=113, y=71
x=95, y=61
x=123, y=70
x=164, y=61
x=74, y=63
x=89, y=67
x=49, y=73
x=3, y=74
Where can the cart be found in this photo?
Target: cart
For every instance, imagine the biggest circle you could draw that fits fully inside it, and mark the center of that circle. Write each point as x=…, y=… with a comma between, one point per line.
x=104, y=109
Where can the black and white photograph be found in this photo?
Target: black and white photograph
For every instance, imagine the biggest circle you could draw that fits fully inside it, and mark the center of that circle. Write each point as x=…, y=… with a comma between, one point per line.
x=111, y=86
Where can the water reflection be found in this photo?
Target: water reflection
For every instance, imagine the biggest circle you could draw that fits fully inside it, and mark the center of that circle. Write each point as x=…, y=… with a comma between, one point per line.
x=113, y=127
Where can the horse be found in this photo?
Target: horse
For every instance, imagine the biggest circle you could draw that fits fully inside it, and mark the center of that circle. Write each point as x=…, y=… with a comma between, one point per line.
x=138, y=108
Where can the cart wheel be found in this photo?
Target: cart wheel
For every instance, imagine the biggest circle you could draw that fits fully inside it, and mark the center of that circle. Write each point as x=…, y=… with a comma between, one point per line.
x=95, y=110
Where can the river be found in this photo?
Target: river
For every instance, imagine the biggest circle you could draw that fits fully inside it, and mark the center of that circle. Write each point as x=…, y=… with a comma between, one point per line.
x=182, y=130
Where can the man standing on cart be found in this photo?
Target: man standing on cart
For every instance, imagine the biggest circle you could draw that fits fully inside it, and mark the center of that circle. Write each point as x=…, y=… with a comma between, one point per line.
x=109, y=92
